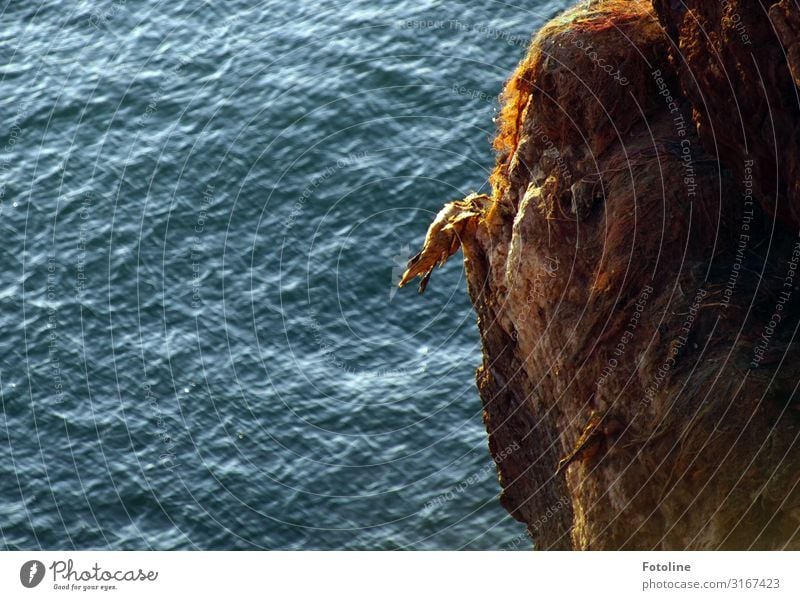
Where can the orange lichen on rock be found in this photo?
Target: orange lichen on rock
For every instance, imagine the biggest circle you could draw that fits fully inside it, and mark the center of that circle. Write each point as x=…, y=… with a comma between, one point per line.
x=604, y=36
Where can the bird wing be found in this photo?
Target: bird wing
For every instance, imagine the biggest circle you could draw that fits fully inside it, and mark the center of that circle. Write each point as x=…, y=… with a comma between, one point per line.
x=442, y=240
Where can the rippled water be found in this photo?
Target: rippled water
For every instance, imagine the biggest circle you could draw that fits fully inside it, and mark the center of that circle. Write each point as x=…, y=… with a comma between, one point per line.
x=205, y=207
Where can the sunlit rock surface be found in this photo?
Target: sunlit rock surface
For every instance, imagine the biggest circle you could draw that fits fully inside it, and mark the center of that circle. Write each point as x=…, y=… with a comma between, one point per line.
x=635, y=280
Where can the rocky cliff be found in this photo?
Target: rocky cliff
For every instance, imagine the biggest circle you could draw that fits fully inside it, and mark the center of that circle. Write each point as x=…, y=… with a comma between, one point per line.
x=635, y=278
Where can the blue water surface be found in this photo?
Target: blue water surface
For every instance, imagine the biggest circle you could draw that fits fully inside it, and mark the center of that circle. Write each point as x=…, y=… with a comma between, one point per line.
x=205, y=208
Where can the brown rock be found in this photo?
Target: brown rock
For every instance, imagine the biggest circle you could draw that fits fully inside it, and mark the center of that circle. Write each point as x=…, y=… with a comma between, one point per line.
x=625, y=282
x=738, y=63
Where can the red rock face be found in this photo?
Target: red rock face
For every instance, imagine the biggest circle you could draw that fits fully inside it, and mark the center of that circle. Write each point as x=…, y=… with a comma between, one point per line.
x=738, y=63
x=636, y=300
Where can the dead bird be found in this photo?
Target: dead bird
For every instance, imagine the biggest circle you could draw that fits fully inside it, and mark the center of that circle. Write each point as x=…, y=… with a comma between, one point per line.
x=444, y=237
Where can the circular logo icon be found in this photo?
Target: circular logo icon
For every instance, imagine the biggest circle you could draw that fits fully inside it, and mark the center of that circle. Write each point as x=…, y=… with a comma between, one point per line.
x=31, y=573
